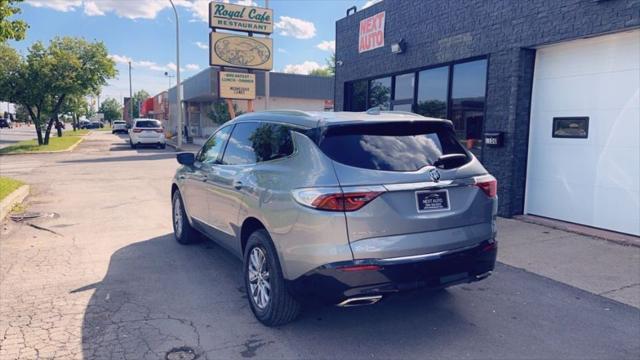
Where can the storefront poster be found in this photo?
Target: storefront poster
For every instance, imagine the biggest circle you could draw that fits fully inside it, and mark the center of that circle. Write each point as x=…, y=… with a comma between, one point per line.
x=234, y=85
x=371, y=33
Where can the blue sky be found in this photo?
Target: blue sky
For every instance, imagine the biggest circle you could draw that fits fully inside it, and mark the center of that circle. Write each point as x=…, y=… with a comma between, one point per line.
x=143, y=32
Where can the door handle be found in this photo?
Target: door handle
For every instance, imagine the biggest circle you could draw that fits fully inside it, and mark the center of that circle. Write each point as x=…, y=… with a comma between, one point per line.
x=237, y=185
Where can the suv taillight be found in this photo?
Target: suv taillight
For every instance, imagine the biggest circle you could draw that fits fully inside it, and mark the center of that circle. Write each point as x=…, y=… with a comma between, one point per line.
x=137, y=130
x=335, y=199
x=488, y=184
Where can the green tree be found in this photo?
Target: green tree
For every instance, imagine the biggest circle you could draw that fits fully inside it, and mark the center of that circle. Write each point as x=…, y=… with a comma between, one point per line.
x=22, y=114
x=11, y=29
x=138, y=97
x=331, y=64
x=219, y=112
x=329, y=70
x=47, y=76
x=111, y=109
x=321, y=72
x=75, y=106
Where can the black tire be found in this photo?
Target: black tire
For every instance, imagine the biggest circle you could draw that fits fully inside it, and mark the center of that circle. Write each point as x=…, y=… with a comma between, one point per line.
x=281, y=307
x=186, y=234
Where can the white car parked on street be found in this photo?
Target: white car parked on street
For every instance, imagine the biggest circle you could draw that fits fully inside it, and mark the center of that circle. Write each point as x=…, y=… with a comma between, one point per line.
x=146, y=132
x=119, y=126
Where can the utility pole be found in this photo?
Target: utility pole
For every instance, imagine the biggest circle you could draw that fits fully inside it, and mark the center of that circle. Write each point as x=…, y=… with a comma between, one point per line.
x=166, y=73
x=130, y=95
x=266, y=76
x=178, y=85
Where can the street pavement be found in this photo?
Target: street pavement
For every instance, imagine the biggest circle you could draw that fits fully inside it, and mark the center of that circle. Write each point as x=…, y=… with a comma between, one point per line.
x=11, y=136
x=100, y=276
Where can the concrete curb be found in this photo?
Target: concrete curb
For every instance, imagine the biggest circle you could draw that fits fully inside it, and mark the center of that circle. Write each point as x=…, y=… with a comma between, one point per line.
x=188, y=148
x=16, y=197
x=49, y=152
x=614, y=237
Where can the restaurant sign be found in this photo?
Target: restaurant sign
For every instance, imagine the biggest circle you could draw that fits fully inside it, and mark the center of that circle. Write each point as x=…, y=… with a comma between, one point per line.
x=371, y=33
x=240, y=51
x=234, y=85
x=240, y=18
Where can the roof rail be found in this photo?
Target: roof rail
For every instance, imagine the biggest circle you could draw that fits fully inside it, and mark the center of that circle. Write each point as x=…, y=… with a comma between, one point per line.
x=288, y=112
x=400, y=112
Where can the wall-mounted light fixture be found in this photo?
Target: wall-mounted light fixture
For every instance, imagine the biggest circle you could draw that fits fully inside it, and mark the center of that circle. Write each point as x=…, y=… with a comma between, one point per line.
x=339, y=62
x=399, y=47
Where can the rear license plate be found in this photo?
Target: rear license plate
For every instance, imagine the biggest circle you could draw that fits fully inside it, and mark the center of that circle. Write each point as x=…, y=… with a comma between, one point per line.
x=432, y=200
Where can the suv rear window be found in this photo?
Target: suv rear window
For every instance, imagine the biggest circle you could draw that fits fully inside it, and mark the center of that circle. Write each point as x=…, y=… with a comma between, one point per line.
x=148, y=124
x=392, y=146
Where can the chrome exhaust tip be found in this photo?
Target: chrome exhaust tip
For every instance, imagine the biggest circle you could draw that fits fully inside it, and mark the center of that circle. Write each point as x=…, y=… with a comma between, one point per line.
x=360, y=301
x=483, y=275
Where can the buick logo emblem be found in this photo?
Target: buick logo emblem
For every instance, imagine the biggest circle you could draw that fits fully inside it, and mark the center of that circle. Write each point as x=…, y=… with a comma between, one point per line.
x=434, y=174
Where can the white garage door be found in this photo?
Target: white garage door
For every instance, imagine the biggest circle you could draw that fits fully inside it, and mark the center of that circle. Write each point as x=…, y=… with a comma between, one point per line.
x=584, y=166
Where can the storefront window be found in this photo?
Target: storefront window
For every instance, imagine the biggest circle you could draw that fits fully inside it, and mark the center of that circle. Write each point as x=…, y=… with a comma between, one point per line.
x=356, y=98
x=380, y=93
x=402, y=107
x=467, y=102
x=404, y=87
x=432, y=92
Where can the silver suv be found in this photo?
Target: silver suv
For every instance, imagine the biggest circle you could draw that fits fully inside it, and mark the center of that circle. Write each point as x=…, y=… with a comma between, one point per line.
x=342, y=207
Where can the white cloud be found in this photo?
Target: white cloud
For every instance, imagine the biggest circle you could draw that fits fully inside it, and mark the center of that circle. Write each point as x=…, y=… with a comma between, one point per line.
x=281, y=50
x=151, y=65
x=132, y=9
x=304, y=68
x=139, y=9
x=59, y=5
x=120, y=59
x=327, y=46
x=92, y=9
x=370, y=2
x=198, y=8
x=298, y=28
x=247, y=3
x=202, y=45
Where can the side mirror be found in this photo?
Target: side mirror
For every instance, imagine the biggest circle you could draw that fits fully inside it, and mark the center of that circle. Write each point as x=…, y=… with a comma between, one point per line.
x=186, y=158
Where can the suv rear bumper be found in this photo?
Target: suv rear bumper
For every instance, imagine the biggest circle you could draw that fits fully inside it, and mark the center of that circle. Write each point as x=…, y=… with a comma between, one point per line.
x=331, y=284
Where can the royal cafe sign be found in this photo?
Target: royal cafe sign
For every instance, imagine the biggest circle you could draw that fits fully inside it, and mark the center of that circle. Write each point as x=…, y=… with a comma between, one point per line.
x=371, y=34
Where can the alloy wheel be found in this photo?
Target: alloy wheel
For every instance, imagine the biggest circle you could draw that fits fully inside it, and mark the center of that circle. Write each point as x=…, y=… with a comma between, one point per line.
x=259, y=283
x=177, y=217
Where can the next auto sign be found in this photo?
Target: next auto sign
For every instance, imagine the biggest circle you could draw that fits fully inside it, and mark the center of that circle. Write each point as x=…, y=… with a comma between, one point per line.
x=371, y=33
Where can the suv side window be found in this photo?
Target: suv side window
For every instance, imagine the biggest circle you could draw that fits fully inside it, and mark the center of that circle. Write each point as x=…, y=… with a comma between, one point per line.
x=256, y=142
x=212, y=149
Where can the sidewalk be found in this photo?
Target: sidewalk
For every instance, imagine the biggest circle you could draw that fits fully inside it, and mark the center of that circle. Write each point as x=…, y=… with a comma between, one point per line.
x=595, y=265
x=195, y=147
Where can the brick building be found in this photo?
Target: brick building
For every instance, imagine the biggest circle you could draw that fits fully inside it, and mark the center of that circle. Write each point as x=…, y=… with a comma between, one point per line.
x=558, y=80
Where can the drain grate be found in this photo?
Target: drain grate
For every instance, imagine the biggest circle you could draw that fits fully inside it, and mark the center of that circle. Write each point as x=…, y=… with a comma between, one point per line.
x=30, y=215
x=25, y=216
x=181, y=353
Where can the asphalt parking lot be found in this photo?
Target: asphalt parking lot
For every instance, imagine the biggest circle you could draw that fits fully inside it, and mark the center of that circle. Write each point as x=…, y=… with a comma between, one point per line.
x=100, y=276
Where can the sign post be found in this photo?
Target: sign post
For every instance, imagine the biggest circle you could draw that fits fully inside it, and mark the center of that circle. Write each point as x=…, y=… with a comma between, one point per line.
x=230, y=50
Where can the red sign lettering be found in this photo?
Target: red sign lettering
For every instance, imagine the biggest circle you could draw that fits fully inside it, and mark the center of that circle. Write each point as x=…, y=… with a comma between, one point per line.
x=371, y=33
